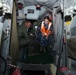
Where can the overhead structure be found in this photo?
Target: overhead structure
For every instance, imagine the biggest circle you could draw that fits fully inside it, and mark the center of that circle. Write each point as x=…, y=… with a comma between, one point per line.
x=33, y=13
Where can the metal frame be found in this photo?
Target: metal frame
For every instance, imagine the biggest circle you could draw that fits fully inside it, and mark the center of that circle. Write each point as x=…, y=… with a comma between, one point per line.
x=36, y=67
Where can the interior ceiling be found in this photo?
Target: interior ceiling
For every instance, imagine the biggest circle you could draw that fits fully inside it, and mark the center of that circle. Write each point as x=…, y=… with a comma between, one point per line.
x=48, y=3
x=68, y=3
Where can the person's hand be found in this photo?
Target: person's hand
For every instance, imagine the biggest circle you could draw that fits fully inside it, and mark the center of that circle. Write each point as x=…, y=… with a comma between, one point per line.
x=43, y=34
x=31, y=35
x=46, y=37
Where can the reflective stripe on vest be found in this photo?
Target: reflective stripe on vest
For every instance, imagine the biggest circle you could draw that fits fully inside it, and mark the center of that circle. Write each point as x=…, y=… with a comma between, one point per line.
x=43, y=30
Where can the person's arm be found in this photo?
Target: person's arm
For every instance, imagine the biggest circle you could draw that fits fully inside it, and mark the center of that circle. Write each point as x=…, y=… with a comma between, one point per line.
x=23, y=38
x=50, y=32
x=43, y=34
x=32, y=33
x=20, y=32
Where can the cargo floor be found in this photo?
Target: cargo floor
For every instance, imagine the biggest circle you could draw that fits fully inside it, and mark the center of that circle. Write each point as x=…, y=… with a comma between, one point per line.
x=40, y=57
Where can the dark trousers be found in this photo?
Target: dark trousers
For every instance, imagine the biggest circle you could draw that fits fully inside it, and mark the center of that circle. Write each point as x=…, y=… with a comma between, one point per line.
x=23, y=53
x=42, y=40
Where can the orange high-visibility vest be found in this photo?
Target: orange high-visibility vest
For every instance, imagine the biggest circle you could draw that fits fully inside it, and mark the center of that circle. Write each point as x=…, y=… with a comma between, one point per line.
x=43, y=30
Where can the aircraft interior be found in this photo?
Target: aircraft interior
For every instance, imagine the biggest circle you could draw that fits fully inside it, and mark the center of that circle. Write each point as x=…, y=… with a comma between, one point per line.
x=21, y=38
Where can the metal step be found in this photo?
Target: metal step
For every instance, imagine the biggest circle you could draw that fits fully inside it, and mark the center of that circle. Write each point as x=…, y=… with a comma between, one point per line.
x=35, y=69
